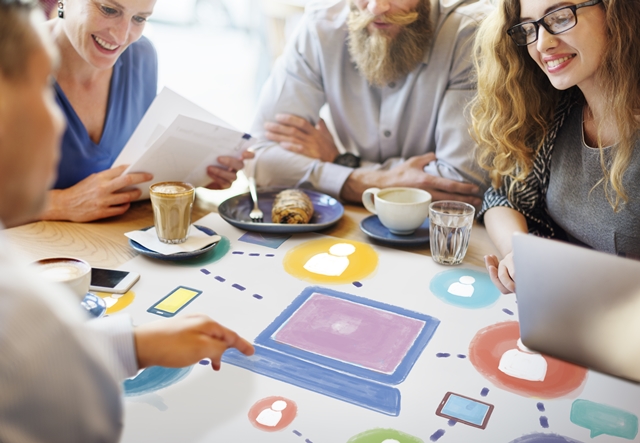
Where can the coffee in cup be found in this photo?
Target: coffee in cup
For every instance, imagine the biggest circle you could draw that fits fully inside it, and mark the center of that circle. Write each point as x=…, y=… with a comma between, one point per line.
x=71, y=272
x=401, y=210
x=172, y=202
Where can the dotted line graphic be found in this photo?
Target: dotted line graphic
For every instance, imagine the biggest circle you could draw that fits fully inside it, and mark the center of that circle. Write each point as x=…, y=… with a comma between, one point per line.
x=252, y=254
x=544, y=421
x=299, y=434
x=447, y=355
x=237, y=286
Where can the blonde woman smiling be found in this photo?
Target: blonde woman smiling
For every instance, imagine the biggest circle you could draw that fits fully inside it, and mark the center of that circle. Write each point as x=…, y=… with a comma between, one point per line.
x=556, y=118
x=106, y=80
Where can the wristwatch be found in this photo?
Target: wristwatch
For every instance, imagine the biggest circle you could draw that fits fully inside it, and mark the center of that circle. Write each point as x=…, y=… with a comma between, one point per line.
x=347, y=159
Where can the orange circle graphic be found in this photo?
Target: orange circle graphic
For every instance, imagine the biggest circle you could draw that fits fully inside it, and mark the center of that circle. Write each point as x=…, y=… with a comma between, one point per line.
x=489, y=345
x=272, y=414
x=116, y=302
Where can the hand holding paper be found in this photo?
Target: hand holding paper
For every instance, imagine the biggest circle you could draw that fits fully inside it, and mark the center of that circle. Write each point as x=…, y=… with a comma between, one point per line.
x=176, y=141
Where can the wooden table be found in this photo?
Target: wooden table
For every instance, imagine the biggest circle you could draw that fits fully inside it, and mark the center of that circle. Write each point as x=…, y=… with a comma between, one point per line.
x=251, y=286
x=103, y=244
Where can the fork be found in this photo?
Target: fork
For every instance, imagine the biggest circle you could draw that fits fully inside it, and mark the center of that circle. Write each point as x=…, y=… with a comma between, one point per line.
x=256, y=214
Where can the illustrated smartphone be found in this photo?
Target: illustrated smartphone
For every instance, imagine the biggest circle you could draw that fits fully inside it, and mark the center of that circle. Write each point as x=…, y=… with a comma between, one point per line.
x=112, y=280
x=174, y=302
x=465, y=410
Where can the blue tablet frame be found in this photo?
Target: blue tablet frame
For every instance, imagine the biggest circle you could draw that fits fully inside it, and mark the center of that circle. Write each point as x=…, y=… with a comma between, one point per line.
x=400, y=373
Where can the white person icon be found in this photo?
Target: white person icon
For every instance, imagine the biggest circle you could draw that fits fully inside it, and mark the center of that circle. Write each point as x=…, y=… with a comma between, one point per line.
x=463, y=287
x=273, y=414
x=523, y=363
x=333, y=263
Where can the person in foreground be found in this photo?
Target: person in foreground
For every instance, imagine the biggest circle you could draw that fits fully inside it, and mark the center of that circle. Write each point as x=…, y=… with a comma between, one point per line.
x=396, y=76
x=557, y=118
x=59, y=374
x=106, y=81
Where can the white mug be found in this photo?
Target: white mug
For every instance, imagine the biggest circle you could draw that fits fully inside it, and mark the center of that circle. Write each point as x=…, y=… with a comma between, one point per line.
x=73, y=273
x=401, y=210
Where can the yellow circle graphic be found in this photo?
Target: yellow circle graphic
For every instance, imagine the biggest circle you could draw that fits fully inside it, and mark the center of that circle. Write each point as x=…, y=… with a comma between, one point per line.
x=116, y=302
x=331, y=260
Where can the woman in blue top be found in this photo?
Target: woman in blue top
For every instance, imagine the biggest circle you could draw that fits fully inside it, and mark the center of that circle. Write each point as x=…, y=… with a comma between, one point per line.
x=106, y=81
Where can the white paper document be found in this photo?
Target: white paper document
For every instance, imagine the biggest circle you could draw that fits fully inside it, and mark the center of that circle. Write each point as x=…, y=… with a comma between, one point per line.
x=176, y=140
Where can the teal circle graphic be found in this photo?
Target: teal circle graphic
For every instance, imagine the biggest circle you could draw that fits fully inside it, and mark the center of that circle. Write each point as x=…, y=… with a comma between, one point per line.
x=221, y=249
x=465, y=288
x=153, y=379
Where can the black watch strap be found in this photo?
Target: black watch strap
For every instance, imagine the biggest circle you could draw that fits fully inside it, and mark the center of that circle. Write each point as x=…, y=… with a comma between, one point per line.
x=347, y=159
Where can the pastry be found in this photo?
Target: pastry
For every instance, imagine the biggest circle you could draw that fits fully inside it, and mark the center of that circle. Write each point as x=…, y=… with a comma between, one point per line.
x=292, y=206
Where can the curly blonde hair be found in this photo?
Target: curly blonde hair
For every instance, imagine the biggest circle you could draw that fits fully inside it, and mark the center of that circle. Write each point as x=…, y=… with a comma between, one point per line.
x=515, y=102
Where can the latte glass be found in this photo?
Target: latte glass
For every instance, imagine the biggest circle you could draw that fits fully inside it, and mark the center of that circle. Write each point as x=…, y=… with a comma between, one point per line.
x=172, y=203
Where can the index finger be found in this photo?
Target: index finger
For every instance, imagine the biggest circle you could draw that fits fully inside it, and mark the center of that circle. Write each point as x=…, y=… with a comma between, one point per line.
x=229, y=337
x=112, y=173
x=248, y=154
x=244, y=346
x=295, y=121
x=493, y=274
x=130, y=179
x=506, y=279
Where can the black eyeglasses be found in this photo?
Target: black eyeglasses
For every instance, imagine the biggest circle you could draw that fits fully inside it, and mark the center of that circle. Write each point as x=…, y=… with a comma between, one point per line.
x=555, y=22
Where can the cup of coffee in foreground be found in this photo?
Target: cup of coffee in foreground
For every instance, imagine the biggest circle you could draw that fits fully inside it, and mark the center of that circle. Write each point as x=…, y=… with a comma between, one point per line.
x=401, y=210
x=71, y=272
x=172, y=202
x=450, y=225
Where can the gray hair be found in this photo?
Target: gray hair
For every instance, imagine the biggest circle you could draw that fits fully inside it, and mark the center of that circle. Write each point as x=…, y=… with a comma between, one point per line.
x=17, y=38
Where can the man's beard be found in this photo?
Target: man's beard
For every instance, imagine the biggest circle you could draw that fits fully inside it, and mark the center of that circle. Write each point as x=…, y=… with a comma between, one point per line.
x=381, y=58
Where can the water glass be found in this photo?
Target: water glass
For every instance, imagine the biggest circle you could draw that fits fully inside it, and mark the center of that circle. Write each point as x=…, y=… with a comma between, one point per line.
x=449, y=231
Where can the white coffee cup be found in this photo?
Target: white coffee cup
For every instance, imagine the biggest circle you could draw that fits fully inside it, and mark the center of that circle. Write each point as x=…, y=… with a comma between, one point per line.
x=401, y=210
x=73, y=273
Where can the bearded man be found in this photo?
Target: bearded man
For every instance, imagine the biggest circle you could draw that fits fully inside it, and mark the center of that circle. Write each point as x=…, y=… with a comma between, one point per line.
x=395, y=76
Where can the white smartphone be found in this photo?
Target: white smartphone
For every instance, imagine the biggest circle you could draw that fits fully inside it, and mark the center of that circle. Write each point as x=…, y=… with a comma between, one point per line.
x=112, y=280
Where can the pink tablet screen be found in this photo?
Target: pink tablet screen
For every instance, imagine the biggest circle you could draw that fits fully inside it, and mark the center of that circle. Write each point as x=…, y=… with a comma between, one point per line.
x=351, y=332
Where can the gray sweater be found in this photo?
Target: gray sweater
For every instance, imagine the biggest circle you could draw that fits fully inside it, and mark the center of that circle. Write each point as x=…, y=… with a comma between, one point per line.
x=581, y=210
x=556, y=197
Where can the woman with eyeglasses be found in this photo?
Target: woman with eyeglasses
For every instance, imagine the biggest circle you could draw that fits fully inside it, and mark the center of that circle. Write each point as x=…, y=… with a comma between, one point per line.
x=557, y=117
x=106, y=80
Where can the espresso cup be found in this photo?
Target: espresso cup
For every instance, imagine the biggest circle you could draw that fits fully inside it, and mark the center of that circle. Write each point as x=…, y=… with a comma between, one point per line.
x=172, y=202
x=400, y=210
x=68, y=271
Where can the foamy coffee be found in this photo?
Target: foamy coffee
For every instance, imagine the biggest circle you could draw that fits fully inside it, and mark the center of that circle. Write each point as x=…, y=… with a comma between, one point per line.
x=172, y=202
x=72, y=272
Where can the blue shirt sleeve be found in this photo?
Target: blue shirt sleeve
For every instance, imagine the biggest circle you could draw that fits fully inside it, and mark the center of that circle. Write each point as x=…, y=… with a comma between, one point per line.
x=134, y=85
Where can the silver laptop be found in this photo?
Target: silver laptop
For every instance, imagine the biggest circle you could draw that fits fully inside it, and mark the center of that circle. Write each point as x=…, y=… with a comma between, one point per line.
x=579, y=305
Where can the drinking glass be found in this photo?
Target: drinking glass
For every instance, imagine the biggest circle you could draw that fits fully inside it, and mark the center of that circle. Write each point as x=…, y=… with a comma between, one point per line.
x=172, y=202
x=449, y=231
